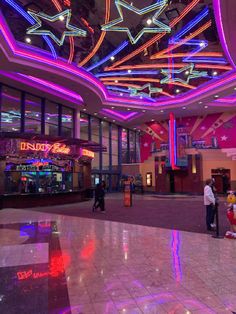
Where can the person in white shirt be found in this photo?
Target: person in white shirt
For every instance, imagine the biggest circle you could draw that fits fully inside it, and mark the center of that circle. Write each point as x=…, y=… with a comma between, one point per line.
x=209, y=202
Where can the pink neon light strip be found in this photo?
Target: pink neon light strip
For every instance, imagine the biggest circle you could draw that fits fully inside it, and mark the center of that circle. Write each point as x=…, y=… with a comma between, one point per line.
x=172, y=141
x=219, y=23
x=121, y=116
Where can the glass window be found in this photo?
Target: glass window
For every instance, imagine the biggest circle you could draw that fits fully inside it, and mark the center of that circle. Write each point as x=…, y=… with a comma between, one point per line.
x=138, y=158
x=84, y=126
x=51, y=118
x=132, y=146
x=114, y=144
x=124, y=146
x=11, y=110
x=67, y=122
x=95, y=138
x=32, y=114
x=105, y=142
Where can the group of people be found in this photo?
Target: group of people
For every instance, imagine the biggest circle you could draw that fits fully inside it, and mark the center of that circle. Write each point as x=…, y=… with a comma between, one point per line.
x=99, y=201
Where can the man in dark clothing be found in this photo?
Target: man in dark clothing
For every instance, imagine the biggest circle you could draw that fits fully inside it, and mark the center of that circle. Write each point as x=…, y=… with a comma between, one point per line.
x=96, y=196
x=99, y=198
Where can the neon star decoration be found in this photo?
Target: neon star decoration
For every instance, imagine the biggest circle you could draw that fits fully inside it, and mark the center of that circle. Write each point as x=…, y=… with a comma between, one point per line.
x=142, y=91
x=188, y=74
x=36, y=29
x=159, y=27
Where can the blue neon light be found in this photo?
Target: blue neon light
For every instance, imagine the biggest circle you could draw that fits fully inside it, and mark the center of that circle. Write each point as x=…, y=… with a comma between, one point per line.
x=190, y=25
x=112, y=54
x=20, y=10
x=126, y=73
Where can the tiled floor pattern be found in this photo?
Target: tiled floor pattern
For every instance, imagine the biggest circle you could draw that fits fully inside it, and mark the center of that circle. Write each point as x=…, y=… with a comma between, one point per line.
x=113, y=267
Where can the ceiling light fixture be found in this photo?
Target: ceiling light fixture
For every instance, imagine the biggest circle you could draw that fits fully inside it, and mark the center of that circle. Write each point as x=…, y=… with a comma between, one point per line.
x=143, y=110
x=162, y=110
x=28, y=40
x=128, y=109
x=200, y=102
x=177, y=91
x=206, y=107
x=116, y=81
x=214, y=73
x=183, y=107
x=216, y=96
x=153, y=120
x=95, y=113
x=84, y=109
x=149, y=22
x=112, y=58
x=121, y=94
x=129, y=71
x=61, y=18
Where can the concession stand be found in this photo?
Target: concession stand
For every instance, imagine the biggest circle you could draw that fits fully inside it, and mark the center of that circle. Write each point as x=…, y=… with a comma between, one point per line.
x=40, y=170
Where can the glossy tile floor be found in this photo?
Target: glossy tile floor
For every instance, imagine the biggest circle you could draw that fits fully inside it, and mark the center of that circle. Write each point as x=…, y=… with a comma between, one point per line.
x=61, y=264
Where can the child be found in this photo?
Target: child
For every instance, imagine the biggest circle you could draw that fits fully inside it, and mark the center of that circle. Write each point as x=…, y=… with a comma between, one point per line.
x=231, y=215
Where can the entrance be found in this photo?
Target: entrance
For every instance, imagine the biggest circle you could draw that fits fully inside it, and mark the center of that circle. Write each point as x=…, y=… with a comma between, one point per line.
x=222, y=179
x=172, y=181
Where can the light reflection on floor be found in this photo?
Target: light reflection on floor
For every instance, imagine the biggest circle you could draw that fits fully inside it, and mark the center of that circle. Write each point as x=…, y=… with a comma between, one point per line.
x=120, y=268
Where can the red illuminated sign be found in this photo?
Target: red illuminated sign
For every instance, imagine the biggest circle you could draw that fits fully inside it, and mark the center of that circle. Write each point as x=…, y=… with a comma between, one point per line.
x=87, y=153
x=56, y=148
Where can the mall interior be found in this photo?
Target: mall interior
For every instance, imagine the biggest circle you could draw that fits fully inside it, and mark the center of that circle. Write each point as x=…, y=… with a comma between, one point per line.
x=134, y=100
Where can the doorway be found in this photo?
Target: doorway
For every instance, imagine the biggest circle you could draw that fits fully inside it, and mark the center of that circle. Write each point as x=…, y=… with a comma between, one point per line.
x=222, y=179
x=172, y=181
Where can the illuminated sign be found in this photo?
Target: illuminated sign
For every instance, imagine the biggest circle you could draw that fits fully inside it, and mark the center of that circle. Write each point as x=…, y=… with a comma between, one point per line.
x=87, y=153
x=56, y=148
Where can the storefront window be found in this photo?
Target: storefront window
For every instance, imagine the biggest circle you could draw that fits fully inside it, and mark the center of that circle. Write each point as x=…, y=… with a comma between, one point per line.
x=11, y=110
x=95, y=127
x=67, y=122
x=138, y=158
x=84, y=126
x=124, y=147
x=105, y=142
x=32, y=114
x=51, y=118
x=132, y=147
x=114, y=143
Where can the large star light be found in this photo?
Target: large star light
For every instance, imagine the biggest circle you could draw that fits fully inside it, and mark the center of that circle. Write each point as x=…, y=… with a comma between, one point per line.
x=159, y=6
x=141, y=91
x=188, y=71
x=36, y=29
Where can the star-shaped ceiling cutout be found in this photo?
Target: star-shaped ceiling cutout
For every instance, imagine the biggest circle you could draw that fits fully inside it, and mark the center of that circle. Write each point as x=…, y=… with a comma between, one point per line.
x=188, y=72
x=159, y=27
x=224, y=138
x=145, y=91
x=64, y=16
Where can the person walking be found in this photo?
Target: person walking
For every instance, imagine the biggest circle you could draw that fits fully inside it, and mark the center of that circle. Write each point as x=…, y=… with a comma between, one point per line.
x=209, y=202
x=213, y=187
x=96, y=196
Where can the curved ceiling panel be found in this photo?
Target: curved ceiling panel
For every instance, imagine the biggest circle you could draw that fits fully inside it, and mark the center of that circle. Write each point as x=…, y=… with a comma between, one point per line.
x=143, y=54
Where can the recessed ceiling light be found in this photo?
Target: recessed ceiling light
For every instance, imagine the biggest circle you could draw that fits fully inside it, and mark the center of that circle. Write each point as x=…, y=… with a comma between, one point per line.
x=205, y=106
x=28, y=40
x=162, y=110
x=141, y=97
x=84, y=109
x=104, y=117
x=153, y=120
x=121, y=94
x=113, y=120
x=134, y=128
x=214, y=73
x=200, y=102
x=186, y=72
x=149, y=22
x=112, y=58
x=177, y=91
x=116, y=81
x=48, y=118
x=202, y=44
x=216, y=96
x=61, y=18
x=95, y=113
x=129, y=71
x=183, y=107
x=112, y=107
x=234, y=88
x=143, y=110
x=128, y=109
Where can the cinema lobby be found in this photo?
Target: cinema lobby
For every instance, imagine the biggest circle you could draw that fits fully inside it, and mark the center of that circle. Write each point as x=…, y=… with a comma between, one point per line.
x=118, y=157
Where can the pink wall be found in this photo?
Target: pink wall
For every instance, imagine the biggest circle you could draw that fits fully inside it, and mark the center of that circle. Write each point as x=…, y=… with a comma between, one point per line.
x=222, y=126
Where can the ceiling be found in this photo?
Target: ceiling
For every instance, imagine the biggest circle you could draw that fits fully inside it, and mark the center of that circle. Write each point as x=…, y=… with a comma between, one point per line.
x=142, y=59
